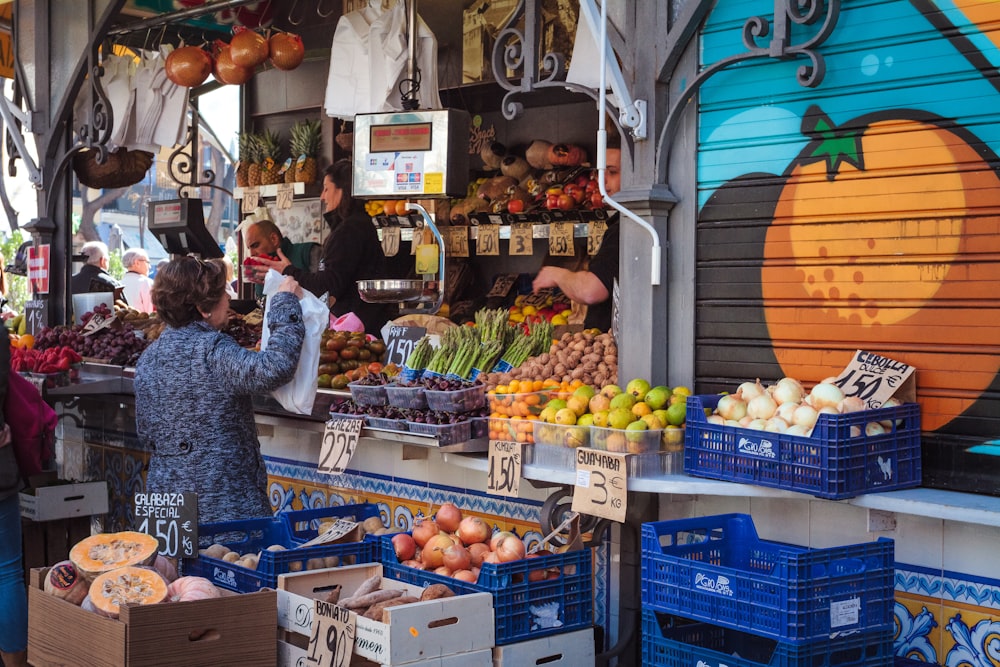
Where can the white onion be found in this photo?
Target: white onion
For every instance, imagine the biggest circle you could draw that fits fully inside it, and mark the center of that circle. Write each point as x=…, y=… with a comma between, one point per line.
x=825, y=394
x=851, y=404
x=830, y=380
x=888, y=423
x=731, y=422
x=788, y=390
x=750, y=390
x=731, y=407
x=855, y=431
x=828, y=410
x=798, y=429
x=776, y=425
x=805, y=416
x=745, y=420
x=715, y=419
x=874, y=428
x=757, y=424
x=786, y=410
x=762, y=407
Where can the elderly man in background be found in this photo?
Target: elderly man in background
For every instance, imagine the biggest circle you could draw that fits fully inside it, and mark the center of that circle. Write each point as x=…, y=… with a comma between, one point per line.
x=138, y=285
x=94, y=276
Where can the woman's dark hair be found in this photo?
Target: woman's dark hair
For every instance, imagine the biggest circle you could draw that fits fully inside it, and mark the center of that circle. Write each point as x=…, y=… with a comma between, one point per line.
x=185, y=287
x=341, y=173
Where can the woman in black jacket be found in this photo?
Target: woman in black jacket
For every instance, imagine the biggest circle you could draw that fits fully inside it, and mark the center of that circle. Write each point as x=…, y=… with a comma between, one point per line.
x=351, y=252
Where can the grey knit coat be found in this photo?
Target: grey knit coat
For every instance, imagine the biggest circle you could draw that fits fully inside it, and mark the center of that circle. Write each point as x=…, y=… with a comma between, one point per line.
x=194, y=390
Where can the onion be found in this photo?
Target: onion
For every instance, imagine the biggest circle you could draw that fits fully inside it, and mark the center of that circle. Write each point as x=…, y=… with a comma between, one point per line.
x=448, y=517
x=762, y=407
x=805, y=416
x=757, y=424
x=826, y=395
x=743, y=421
x=472, y=529
x=874, y=428
x=405, y=546
x=888, y=423
x=478, y=551
x=798, y=429
x=432, y=555
x=776, y=425
x=510, y=548
x=457, y=557
x=465, y=575
x=786, y=410
x=851, y=404
x=750, y=390
x=424, y=530
x=731, y=407
x=788, y=390
x=715, y=419
x=733, y=422
x=248, y=48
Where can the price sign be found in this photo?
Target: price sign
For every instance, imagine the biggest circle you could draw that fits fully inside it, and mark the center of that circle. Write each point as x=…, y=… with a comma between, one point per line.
x=340, y=439
x=36, y=316
x=172, y=518
x=540, y=298
x=390, y=241
x=595, y=235
x=459, y=241
x=488, y=240
x=400, y=343
x=251, y=199
x=336, y=531
x=521, y=239
x=601, y=484
x=504, y=476
x=501, y=286
x=331, y=640
x=286, y=193
x=873, y=378
x=97, y=323
x=561, y=239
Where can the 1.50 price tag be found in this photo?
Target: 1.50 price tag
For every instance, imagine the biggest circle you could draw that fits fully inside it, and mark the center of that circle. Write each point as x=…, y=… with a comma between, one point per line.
x=331, y=641
x=601, y=484
x=488, y=239
x=400, y=342
x=459, y=241
x=874, y=378
x=504, y=476
x=340, y=439
x=172, y=518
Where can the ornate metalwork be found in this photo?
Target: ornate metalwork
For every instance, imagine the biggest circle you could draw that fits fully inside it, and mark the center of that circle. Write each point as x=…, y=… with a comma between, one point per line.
x=755, y=29
x=182, y=166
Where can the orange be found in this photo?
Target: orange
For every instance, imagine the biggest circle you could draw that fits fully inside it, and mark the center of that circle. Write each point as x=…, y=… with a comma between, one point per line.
x=26, y=341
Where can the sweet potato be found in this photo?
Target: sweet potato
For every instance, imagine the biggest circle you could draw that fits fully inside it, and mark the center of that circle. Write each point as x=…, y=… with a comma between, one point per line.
x=436, y=592
x=356, y=602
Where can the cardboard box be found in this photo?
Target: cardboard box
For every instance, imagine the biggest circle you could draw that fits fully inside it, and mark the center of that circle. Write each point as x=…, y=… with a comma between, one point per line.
x=231, y=630
x=414, y=632
x=571, y=648
x=64, y=501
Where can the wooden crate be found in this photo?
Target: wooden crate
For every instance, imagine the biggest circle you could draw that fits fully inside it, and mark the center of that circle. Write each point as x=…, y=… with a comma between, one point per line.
x=571, y=648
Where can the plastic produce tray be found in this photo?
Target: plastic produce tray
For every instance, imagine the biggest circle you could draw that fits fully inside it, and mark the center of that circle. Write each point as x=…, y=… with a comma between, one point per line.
x=387, y=424
x=833, y=463
x=255, y=535
x=412, y=398
x=458, y=400
x=710, y=645
x=446, y=434
x=368, y=394
x=716, y=569
x=522, y=609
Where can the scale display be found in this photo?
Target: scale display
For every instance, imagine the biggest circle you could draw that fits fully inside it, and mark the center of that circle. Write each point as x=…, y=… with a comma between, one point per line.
x=417, y=154
x=179, y=226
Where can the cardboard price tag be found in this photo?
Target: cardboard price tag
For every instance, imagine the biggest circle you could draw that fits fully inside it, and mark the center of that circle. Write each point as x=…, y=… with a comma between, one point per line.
x=501, y=286
x=331, y=640
x=540, y=298
x=875, y=379
x=96, y=323
x=458, y=239
x=340, y=529
x=504, y=476
x=286, y=193
x=601, y=484
x=172, y=518
x=251, y=199
x=521, y=240
x=340, y=439
x=400, y=343
x=595, y=236
x=390, y=241
x=561, y=239
x=488, y=240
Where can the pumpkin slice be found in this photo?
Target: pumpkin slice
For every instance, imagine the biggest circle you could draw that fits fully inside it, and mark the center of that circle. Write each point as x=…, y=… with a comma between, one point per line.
x=129, y=584
x=100, y=553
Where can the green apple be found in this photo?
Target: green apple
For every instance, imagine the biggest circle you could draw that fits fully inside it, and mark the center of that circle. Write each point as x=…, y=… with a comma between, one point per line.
x=638, y=388
x=657, y=397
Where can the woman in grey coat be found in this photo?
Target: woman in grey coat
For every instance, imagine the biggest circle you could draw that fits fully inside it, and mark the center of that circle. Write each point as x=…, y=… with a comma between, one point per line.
x=194, y=389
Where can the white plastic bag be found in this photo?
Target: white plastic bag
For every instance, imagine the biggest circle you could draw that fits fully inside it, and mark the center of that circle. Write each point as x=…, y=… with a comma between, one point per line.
x=299, y=394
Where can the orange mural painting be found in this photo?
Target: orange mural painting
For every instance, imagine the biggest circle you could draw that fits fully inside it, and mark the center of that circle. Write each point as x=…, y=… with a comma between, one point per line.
x=886, y=237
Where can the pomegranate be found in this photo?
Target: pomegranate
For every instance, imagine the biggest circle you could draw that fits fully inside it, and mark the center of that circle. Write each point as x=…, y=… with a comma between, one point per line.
x=248, y=48
x=423, y=530
x=225, y=70
x=188, y=66
x=448, y=517
x=286, y=50
x=472, y=529
x=405, y=546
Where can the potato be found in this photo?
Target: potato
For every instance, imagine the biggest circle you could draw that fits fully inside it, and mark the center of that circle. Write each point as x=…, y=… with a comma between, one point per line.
x=216, y=551
x=231, y=557
x=436, y=592
x=316, y=564
x=372, y=524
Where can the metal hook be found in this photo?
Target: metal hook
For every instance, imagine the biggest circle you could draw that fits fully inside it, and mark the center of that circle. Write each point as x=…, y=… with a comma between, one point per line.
x=291, y=10
x=319, y=4
x=149, y=31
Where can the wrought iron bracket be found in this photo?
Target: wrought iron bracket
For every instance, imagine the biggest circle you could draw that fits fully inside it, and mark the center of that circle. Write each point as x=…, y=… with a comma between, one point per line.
x=181, y=166
x=12, y=116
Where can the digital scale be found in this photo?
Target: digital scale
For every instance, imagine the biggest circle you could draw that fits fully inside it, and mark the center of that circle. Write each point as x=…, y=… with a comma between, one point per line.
x=179, y=226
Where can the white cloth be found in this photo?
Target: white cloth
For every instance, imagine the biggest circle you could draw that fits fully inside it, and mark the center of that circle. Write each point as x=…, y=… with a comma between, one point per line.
x=138, y=291
x=368, y=60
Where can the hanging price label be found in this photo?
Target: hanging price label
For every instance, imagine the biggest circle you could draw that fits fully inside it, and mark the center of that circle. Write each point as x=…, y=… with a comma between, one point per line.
x=96, y=323
x=595, y=235
x=340, y=439
x=521, y=242
x=331, y=640
x=501, y=286
x=251, y=199
x=504, y=476
x=601, y=484
x=172, y=518
x=390, y=241
x=561, y=239
x=459, y=241
x=874, y=379
x=488, y=240
x=400, y=342
x=286, y=193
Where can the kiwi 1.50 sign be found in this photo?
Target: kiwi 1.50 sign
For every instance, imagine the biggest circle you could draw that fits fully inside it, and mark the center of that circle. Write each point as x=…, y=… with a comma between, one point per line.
x=503, y=477
x=400, y=343
x=873, y=378
x=601, y=484
x=172, y=518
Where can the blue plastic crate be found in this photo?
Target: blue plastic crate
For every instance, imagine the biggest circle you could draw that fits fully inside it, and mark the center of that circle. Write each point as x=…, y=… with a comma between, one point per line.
x=522, y=609
x=665, y=644
x=832, y=463
x=716, y=569
x=256, y=535
x=304, y=524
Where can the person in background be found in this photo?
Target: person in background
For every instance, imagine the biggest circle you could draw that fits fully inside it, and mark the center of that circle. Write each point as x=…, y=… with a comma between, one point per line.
x=159, y=265
x=230, y=276
x=136, y=282
x=6, y=312
x=13, y=597
x=194, y=389
x=351, y=252
x=594, y=285
x=94, y=276
x=263, y=239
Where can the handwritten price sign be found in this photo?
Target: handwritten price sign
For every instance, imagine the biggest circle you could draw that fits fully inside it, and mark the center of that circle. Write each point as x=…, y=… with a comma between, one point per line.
x=172, y=518
x=561, y=239
x=873, y=378
x=504, y=477
x=331, y=641
x=285, y=195
x=488, y=240
x=595, y=236
x=340, y=439
x=251, y=199
x=390, y=241
x=601, y=484
x=521, y=241
x=400, y=343
x=459, y=241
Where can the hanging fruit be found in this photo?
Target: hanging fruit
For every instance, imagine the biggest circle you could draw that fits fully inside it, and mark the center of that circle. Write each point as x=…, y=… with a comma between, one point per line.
x=287, y=50
x=188, y=66
x=225, y=70
x=566, y=155
x=248, y=48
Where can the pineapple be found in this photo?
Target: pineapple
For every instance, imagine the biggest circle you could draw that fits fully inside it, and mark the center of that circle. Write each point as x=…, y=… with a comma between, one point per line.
x=253, y=158
x=270, y=157
x=244, y=160
x=305, y=148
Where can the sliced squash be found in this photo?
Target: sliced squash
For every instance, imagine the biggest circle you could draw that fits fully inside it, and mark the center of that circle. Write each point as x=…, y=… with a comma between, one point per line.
x=128, y=584
x=106, y=551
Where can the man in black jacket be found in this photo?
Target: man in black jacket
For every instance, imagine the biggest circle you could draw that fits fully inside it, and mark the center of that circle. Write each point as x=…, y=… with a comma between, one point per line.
x=94, y=276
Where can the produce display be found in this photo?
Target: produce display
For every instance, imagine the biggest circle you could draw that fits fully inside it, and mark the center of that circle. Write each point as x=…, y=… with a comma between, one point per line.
x=345, y=357
x=115, y=344
x=233, y=63
x=590, y=358
x=370, y=599
x=51, y=360
x=555, y=309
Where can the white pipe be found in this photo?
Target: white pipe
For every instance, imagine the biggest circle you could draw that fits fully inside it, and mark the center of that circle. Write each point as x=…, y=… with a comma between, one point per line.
x=602, y=153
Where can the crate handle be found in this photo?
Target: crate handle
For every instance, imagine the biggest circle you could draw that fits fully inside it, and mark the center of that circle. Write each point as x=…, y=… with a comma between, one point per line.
x=208, y=635
x=69, y=499
x=442, y=622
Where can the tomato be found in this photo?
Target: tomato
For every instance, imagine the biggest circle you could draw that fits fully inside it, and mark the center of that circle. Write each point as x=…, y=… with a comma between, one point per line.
x=576, y=192
x=565, y=202
x=515, y=206
x=596, y=200
x=552, y=202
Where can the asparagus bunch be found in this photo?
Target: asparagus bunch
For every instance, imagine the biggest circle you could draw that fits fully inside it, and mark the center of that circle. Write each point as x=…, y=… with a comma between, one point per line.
x=536, y=341
x=420, y=356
